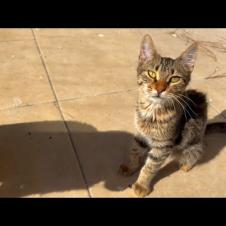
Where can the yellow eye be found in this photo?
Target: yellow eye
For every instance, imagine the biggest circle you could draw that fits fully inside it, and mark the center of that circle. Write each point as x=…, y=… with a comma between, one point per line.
x=152, y=74
x=174, y=79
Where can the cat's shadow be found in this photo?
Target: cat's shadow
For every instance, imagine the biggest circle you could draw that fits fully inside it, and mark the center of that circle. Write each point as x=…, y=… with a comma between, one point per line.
x=39, y=158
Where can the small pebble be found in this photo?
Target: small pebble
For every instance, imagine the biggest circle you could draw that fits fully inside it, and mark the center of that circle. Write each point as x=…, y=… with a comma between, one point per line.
x=50, y=137
x=17, y=101
x=100, y=35
x=174, y=35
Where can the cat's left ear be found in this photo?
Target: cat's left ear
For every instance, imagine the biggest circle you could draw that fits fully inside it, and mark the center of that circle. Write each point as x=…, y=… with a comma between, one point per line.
x=188, y=57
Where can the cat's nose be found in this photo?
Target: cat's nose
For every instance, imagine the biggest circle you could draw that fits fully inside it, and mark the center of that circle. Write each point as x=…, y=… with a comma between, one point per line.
x=161, y=87
x=159, y=92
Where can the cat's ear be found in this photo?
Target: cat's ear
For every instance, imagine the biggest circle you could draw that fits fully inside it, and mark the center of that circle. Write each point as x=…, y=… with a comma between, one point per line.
x=188, y=57
x=147, y=50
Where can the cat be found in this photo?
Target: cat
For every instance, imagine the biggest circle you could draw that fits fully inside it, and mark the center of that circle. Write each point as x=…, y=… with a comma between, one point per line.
x=170, y=120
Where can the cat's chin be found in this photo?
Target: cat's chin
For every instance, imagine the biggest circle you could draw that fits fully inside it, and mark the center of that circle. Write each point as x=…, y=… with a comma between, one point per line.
x=157, y=100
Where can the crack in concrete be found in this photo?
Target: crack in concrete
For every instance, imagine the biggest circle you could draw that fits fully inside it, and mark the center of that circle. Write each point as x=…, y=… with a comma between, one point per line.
x=204, y=46
x=96, y=95
x=62, y=116
x=64, y=100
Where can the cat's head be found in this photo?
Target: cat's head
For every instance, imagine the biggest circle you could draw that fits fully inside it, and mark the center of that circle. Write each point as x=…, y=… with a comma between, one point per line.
x=161, y=77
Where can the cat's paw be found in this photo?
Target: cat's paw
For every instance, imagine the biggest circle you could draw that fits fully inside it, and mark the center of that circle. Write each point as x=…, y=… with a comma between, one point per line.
x=185, y=168
x=140, y=190
x=125, y=170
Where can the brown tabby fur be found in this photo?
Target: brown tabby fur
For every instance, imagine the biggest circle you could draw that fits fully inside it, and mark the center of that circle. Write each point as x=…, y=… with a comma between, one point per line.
x=170, y=120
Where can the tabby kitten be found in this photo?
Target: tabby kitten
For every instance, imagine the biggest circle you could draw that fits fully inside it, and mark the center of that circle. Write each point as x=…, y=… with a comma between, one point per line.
x=169, y=119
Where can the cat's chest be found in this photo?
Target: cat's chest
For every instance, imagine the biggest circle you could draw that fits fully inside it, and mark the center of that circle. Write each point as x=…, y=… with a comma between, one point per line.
x=160, y=128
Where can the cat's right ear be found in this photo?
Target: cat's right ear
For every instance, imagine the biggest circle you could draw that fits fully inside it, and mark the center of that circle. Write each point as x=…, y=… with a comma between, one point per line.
x=147, y=50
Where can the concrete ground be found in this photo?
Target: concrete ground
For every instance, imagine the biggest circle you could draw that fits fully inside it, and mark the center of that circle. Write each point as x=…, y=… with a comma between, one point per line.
x=67, y=107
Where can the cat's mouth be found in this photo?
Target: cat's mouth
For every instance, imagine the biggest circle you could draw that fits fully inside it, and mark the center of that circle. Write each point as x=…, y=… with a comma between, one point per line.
x=156, y=99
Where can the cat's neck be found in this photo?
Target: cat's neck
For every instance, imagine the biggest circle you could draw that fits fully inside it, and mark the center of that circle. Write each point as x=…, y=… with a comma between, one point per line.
x=156, y=111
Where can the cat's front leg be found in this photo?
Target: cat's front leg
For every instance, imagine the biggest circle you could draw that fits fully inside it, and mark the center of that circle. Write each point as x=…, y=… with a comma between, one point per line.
x=136, y=157
x=154, y=161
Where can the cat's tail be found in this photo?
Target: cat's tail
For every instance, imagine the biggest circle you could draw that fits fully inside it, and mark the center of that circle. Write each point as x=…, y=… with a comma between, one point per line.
x=216, y=127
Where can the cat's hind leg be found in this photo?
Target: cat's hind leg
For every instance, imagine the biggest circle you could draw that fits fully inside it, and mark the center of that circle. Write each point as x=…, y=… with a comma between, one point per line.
x=193, y=132
x=191, y=144
x=190, y=156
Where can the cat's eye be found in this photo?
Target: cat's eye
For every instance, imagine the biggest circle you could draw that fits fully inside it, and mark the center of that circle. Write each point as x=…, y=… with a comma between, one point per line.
x=175, y=79
x=152, y=74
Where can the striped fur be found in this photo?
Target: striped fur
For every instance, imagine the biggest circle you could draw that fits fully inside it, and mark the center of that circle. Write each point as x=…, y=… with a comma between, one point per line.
x=170, y=120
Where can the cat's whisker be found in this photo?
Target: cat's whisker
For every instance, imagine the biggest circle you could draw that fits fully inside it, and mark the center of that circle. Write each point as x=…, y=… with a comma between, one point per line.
x=186, y=109
x=188, y=99
x=174, y=98
x=186, y=104
x=173, y=104
x=180, y=104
